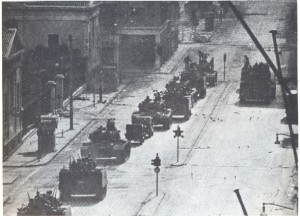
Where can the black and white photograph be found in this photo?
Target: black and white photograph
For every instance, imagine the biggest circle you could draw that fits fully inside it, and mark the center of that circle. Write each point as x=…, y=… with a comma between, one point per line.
x=149, y=108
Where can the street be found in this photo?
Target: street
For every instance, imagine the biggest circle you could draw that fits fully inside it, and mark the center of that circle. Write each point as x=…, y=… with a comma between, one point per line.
x=226, y=145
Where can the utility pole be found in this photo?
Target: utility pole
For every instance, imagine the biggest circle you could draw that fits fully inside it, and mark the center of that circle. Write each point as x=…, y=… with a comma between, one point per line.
x=241, y=202
x=259, y=46
x=101, y=88
x=285, y=99
x=224, y=58
x=178, y=133
x=71, y=82
x=156, y=162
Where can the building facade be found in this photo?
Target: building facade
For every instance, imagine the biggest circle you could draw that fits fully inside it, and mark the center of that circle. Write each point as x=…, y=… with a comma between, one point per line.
x=12, y=54
x=49, y=24
x=137, y=37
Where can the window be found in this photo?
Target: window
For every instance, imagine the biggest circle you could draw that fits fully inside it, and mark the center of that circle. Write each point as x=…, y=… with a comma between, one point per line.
x=53, y=40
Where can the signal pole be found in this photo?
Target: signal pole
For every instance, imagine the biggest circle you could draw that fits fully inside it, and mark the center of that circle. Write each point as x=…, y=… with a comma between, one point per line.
x=156, y=162
x=178, y=133
x=71, y=83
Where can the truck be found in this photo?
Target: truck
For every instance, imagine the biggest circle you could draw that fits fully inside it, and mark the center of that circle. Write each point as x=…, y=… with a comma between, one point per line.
x=257, y=83
x=82, y=178
x=106, y=146
x=140, y=129
x=43, y=204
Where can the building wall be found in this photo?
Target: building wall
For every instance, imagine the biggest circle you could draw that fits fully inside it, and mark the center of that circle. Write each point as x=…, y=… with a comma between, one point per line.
x=134, y=22
x=35, y=24
x=12, y=104
x=37, y=31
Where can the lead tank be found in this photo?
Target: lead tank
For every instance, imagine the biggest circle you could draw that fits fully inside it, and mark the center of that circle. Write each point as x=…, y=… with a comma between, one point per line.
x=82, y=178
x=106, y=145
x=43, y=204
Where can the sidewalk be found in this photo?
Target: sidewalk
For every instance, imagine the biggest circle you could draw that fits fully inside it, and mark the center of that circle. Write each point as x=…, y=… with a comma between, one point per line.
x=84, y=110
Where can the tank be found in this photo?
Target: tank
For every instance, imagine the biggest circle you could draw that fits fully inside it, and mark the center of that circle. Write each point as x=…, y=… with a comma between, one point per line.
x=82, y=178
x=106, y=146
x=208, y=69
x=156, y=109
x=43, y=204
x=256, y=85
x=180, y=98
x=196, y=76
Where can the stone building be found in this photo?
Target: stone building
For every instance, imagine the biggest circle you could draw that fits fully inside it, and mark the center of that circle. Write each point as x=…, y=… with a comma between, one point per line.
x=116, y=38
x=12, y=54
x=137, y=37
x=49, y=24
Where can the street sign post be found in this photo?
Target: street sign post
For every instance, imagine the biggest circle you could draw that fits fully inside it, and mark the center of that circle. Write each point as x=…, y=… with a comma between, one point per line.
x=178, y=133
x=156, y=162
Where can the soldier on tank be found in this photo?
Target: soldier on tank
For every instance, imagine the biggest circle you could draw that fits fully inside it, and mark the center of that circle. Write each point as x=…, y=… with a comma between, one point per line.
x=110, y=125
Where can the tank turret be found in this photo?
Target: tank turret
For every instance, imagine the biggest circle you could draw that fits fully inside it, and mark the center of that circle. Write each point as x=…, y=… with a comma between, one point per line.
x=43, y=204
x=108, y=133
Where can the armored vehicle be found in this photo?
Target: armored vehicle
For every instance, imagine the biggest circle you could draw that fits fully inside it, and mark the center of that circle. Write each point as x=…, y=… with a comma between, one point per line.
x=82, y=178
x=180, y=98
x=156, y=109
x=256, y=83
x=106, y=145
x=208, y=69
x=196, y=78
x=140, y=129
x=42, y=205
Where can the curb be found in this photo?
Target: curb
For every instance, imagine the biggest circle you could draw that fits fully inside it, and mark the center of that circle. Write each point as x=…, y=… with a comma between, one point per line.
x=68, y=142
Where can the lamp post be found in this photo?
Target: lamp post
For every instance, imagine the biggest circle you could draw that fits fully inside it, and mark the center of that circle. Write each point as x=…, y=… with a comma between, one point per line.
x=277, y=140
x=263, y=213
x=285, y=100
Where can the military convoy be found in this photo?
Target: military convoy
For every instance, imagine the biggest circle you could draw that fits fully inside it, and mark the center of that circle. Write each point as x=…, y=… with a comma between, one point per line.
x=44, y=204
x=106, y=145
x=256, y=83
x=82, y=178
